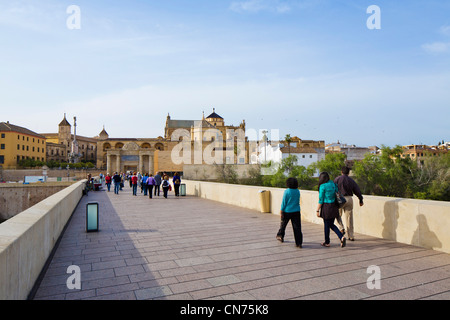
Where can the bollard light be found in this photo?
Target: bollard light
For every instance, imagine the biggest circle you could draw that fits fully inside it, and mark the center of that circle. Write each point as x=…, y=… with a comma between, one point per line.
x=92, y=214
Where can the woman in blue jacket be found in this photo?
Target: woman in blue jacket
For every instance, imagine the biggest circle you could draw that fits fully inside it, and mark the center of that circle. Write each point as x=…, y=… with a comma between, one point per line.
x=327, y=208
x=290, y=210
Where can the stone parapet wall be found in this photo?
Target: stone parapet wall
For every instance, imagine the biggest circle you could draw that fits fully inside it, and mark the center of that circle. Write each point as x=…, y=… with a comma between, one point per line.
x=27, y=240
x=422, y=223
x=16, y=197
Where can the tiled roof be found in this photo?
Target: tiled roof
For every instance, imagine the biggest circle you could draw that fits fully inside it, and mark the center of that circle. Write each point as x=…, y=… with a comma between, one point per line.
x=214, y=115
x=6, y=126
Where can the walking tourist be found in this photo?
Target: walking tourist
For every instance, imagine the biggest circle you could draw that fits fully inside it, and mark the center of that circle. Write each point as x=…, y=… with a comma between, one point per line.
x=150, y=184
x=134, y=183
x=108, y=181
x=290, y=211
x=347, y=187
x=122, y=179
x=165, y=185
x=144, y=183
x=117, y=181
x=157, y=182
x=328, y=209
x=176, y=184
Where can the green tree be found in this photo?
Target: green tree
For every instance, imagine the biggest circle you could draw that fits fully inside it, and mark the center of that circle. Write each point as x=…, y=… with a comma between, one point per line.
x=387, y=174
x=288, y=140
x=332, y=164
x=432, y=178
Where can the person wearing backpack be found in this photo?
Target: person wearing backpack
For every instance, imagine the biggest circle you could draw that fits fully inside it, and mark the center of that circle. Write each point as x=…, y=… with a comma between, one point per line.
x=165, y=185
x=176, y=184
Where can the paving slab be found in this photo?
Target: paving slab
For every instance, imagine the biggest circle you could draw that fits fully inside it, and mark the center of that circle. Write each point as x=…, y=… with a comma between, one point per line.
x=188, y=248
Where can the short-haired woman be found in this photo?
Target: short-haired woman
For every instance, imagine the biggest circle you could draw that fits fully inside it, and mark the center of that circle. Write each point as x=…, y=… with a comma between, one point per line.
x=327, y=208
x=290, y=210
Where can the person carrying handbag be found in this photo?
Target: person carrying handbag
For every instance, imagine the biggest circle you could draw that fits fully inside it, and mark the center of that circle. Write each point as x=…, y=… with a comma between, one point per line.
x=328, y=208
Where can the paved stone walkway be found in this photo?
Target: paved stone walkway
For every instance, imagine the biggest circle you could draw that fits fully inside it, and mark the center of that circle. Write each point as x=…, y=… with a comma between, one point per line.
x=189, y=248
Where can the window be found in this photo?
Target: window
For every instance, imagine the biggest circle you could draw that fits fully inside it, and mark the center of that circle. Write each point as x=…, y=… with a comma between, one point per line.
x=2, y=146
x=2, y=159
x=18, y=147
x=3, y=135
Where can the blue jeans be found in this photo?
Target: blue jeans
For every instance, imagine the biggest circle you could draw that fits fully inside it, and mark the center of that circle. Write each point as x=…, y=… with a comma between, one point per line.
x=134, y=189
x=116, y=188
x=109, y=186
x=145, y=187
x=329, y=224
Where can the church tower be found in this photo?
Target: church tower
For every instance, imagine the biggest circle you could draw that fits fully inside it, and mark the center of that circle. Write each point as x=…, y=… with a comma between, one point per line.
x=215, y=119
x=64, y=132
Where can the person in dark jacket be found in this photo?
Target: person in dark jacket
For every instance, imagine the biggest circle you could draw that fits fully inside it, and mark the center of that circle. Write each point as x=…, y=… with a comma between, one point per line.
x=117, y=180
x=327, y=208
x=347, y=188
x=176, y=184
x=157, y=182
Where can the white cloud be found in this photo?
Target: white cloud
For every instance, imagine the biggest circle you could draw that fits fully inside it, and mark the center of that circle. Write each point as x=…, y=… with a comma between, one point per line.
x=436, y=47
x=445, y=30
x=43, y=17
x=254, y=6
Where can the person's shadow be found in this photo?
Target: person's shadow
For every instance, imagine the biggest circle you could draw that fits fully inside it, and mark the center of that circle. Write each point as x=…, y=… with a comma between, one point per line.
x=390, y=222
x=423, y=236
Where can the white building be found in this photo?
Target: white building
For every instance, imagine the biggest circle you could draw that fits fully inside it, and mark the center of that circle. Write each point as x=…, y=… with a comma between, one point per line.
x=277, y=152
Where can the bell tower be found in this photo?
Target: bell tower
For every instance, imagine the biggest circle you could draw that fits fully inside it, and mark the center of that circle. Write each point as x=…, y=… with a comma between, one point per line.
x=64, y=132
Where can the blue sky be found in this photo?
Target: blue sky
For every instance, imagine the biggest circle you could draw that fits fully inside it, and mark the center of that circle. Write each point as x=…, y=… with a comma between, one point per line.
x=310, y=68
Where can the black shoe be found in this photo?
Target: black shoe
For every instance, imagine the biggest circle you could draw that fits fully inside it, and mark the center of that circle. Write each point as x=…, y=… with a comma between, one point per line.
x=343, y=242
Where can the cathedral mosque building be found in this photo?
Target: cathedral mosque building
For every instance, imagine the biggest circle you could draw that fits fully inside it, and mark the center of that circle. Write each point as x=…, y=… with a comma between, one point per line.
x=157, y=154
x=150, y=155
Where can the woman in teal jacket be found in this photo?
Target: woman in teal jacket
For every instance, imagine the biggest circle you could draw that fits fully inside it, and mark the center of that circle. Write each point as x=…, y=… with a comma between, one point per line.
x=290, y=210
x=327, y=208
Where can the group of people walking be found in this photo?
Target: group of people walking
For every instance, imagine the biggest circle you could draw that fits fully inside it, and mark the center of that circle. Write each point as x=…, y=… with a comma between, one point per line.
x=328, y=207
x=150, y=185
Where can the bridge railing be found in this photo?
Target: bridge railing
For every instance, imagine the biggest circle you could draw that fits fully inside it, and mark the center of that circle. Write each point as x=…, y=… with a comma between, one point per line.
x=422, y=223
x=27, y=240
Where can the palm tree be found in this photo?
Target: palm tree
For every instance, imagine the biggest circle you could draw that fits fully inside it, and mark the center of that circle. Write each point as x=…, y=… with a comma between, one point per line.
x=288, y=140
